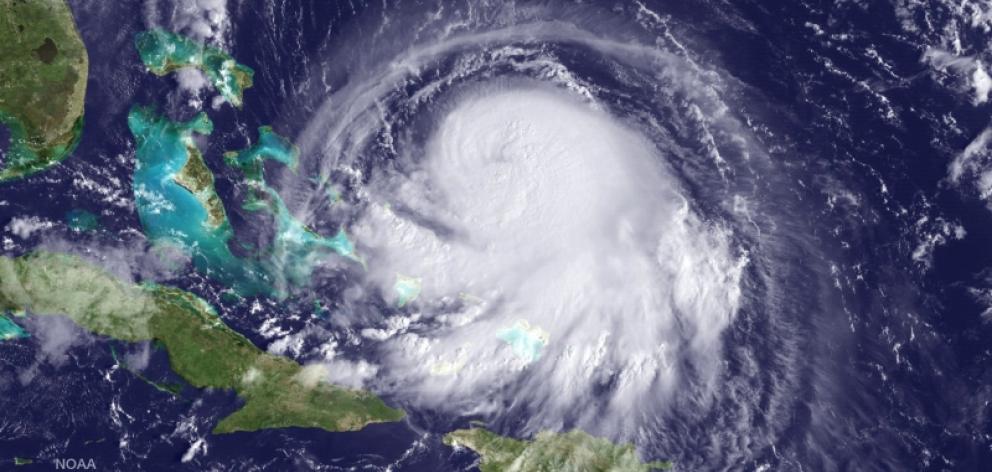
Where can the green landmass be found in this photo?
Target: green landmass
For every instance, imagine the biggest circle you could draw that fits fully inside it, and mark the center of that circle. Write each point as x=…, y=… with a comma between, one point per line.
x=163, y=52
x=574, y=451
x=195, y=176
x=43, y=72
x=278, y=392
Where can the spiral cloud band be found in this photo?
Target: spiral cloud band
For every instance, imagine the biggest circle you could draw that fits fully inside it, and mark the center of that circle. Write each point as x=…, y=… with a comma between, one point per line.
x=536, y=212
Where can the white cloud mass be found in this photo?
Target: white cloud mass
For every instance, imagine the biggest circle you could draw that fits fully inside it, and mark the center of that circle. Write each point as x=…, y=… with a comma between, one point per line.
x=533, y=207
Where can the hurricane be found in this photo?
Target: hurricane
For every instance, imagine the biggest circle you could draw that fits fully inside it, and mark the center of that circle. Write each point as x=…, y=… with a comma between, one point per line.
x=715, y=236
x=575, y=223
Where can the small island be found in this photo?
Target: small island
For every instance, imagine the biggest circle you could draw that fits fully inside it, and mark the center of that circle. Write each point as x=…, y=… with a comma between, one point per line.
x=167, y=150
x=293, y=238
x=573, y=451
x=10, y=330
x=43, y=69
x=178, y=204
x=163, y=52
x=176, y=200
x=278, y=392
x=291, y=232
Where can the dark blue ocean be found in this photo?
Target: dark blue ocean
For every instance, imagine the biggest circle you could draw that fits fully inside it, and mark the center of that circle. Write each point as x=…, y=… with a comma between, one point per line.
x=873, y=359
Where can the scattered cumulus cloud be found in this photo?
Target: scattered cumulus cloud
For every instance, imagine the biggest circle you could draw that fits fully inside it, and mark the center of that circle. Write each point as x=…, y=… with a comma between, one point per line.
x=967, y=68
x=24, y=226
x=972, y=168
x=206, y=21
x=203, y=20
x=933, y=233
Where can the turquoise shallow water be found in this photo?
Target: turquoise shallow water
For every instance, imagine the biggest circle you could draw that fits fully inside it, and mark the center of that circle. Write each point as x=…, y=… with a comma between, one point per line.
x=162, y=51
x=295, y=248
x=270, y=146
x=407, y=289
x=170, y=213
x=10, y=330
x=82, y=220
x=526, y=342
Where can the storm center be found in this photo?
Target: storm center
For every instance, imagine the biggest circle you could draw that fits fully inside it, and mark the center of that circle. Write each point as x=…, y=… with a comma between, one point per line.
x=544, y=242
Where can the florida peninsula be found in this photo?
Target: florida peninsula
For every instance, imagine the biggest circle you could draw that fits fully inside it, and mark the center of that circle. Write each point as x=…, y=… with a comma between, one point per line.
x=43, y=73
